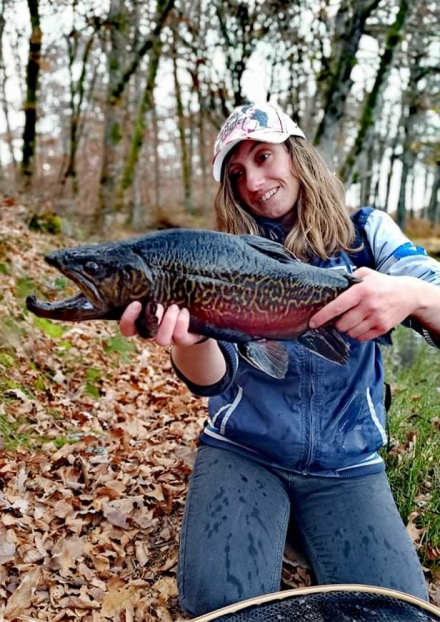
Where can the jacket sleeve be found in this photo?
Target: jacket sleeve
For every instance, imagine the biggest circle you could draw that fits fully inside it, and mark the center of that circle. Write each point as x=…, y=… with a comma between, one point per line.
x=230, y=353
x=396, y=255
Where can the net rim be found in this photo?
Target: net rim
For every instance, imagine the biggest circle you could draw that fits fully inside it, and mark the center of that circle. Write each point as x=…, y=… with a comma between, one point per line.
x=318, y=589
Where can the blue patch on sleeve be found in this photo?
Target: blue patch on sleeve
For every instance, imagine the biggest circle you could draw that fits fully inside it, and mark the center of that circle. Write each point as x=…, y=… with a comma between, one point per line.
x=408, y=249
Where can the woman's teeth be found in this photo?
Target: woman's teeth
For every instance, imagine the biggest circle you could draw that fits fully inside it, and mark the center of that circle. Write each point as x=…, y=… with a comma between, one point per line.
x=267, y=196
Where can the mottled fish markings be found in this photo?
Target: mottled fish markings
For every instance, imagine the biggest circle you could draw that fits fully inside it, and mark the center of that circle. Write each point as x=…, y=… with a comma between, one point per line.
x=244, y=289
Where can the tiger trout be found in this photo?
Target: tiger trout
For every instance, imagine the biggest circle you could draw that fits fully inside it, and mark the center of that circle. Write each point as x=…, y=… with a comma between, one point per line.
x=243, y=289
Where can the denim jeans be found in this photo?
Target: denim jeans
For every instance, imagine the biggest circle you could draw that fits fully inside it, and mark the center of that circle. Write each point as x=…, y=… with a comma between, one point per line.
x=235, y=527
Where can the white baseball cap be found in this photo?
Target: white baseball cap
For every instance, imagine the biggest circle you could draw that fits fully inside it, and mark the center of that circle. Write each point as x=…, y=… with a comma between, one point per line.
x=263, y=122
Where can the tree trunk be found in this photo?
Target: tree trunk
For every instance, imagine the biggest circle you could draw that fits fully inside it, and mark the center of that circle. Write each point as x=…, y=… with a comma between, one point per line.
x=434, y=202
x=77, y=92
x=349, y=30
x=367, y=177
x=206, y=201
x=240, y=27
x=163, y=9
x=137, y=215
x=181, y=124
x=366, y=123
x=2, y=26
x=401, y=205
x=110, y=194
x=30, y=104
x=411, y=194
x=3, y=90
x=157, y=179
x=112, y=126
x=411, y=106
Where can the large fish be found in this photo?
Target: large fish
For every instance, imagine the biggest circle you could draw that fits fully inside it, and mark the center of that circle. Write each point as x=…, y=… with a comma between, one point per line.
x=243, y=289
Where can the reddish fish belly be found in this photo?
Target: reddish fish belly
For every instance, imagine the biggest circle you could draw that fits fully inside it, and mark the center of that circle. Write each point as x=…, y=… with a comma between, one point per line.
x=268, y=323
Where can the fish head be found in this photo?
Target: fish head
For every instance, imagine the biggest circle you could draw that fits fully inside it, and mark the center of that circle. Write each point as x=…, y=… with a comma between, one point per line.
x=109, y=277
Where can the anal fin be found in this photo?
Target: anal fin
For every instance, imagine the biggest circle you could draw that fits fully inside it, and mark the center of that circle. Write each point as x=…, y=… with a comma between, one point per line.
x=269, y=356
x=326, y=342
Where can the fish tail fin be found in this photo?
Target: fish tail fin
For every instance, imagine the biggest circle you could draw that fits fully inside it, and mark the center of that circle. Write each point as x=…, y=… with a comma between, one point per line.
x=269, y=356
x=326, y=342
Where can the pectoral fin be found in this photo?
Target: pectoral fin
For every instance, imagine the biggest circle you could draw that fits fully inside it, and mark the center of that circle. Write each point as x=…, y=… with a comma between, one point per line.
x=147, y=322
x=326, y=342
x=269, y=356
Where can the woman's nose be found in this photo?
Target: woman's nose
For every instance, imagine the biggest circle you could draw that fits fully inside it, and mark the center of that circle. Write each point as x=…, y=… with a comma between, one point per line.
x=254, y=179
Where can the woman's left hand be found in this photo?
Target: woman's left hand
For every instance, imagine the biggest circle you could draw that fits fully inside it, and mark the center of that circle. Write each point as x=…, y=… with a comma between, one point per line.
x=373, y=307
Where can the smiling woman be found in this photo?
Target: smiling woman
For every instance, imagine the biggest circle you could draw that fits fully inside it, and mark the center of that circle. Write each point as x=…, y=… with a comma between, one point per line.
x=301, y=448
x=306, y=199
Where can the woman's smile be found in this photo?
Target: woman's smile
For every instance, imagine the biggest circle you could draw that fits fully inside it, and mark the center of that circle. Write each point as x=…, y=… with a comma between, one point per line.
x=268, y=195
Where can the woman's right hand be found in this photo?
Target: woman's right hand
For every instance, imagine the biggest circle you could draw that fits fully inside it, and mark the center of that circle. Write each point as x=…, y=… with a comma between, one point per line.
x=173, y=325
x=202, y=365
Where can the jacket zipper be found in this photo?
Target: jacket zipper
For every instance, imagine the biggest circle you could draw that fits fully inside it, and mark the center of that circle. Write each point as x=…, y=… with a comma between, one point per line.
x=310, y=415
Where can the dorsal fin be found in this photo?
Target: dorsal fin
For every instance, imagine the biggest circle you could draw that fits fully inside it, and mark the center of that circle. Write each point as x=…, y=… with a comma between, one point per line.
x=270, y=248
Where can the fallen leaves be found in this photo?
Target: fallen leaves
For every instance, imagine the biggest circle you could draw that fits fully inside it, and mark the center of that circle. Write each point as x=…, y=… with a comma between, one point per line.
x=98, y=443
x=20, y=600
x=94, y=468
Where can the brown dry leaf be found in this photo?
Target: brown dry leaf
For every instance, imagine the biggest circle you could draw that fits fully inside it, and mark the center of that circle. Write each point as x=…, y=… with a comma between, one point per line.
x=167, y=588
x=415, y=533
x=21, y=598
x=7, y=545
x=119, y=599
x=65, y=553
x=119, y=512
x=163, y=614
x=142, y=553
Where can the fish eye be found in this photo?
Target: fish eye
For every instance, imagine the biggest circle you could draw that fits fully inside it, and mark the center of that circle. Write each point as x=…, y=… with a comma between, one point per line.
x=92, y=268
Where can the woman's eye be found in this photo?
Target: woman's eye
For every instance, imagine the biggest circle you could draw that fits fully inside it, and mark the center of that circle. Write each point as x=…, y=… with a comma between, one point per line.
x=235, y=176
x=263, y=157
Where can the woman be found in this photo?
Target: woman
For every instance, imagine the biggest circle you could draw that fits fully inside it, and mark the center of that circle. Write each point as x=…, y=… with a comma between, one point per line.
x=299, y=452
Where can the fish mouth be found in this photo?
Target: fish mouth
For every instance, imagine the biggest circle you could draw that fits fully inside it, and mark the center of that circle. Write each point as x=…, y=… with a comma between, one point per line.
x=87, y=304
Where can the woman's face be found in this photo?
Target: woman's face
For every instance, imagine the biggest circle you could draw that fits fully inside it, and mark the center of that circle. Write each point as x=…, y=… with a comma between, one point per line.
x=262, y=176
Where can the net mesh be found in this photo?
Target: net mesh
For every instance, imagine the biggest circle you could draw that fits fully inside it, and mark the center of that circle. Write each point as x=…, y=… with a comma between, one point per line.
x=333, y=607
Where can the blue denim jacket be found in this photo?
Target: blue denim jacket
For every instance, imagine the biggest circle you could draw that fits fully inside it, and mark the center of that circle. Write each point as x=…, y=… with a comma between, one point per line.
x=321, y=419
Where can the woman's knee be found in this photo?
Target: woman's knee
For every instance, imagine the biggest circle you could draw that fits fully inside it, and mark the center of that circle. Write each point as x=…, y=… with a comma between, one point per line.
x=233, y=532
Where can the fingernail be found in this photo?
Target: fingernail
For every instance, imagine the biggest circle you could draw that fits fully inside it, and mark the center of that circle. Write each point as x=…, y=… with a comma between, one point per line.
x=312, y=324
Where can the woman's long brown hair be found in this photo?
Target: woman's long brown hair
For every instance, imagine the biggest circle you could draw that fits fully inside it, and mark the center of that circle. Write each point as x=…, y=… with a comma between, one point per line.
x=322, y=225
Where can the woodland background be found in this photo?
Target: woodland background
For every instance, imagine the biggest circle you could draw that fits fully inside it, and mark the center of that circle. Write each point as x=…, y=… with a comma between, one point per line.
x=108, y=116
x=109, y=110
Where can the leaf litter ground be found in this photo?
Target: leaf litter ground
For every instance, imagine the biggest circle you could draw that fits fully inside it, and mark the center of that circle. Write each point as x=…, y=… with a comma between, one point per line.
x=97, y=443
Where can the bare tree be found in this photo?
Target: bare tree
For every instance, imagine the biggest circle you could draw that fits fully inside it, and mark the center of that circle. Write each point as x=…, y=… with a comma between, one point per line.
x=350, y=24
x=434, y=202
x=366, y=123
x=146, y=104
x=78, y=92
x=185, y=153
x=30, y=103
x=120, y=72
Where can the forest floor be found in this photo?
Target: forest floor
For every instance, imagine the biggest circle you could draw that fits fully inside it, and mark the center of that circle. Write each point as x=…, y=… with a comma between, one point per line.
x=97, y=441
